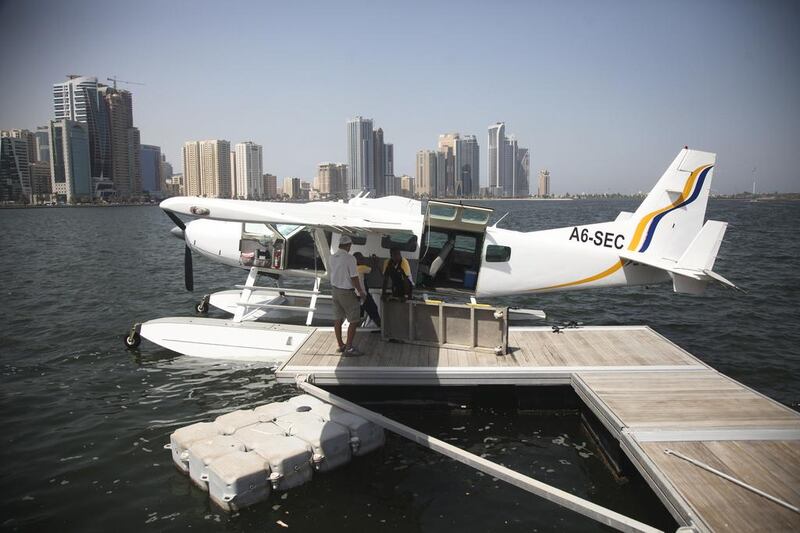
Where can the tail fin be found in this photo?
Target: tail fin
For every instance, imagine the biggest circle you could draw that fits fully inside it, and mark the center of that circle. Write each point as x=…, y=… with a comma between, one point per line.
x=667, y=230
x=674, y=211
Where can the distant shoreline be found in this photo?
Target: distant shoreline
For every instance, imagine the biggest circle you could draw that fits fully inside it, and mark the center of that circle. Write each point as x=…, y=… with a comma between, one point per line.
x=785, y=197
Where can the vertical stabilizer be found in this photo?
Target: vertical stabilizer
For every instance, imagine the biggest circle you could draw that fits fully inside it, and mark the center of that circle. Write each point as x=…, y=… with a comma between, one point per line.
x=673, y=213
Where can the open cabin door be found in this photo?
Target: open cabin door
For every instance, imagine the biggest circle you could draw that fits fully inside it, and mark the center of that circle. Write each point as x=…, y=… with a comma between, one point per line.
x=452, y=244
x=283, y=247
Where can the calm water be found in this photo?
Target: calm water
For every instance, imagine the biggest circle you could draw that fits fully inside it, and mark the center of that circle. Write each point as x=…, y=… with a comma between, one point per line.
x=84, y=420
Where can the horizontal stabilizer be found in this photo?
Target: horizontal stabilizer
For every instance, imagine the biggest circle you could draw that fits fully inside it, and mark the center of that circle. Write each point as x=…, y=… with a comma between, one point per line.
x=692, y=272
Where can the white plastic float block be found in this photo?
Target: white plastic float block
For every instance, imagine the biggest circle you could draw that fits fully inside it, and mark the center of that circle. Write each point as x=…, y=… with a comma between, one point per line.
x=329, y=441
x=307, y=400
x=238, y=480
x=259, y=435
x=228, y=424
x=181, y=439
x=272, y=411
x=203, y=453
x=365, y=436
x=289, y=461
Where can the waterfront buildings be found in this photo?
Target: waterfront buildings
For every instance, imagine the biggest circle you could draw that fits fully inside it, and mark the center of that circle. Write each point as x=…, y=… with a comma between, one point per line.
x=191, y=168
x=165, y=171
x=496, y=169
x=150, y=157
x=124, y=141
x=378, y=165
x=207, y=168
x=70, y=161
x=235, y=192
x=451, y=170
x=370, y=160
x=507, y=165
x=360, y=155
x=467, y=166
x=78, y=99
x=427, y=165
x=248, y=171
x=15, y=177
x=407, y=186
x=41, y=183
x=291, y=188
x=388, y=166
x=173, y=185
x=446, y=170
x=270, y=186
x=42, y=135
x=544, y=184
x=114, y=141
x=521, y=173
x=331, y=180
x=215, y=168
x=305, y=190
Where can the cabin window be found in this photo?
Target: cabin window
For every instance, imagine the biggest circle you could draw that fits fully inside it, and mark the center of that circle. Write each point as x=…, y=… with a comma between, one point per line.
x=403, y=241
x=435, y=240
x=466, y=243
x=497, y=254
x=359, y=240
x=443, y=212
x=475, y=216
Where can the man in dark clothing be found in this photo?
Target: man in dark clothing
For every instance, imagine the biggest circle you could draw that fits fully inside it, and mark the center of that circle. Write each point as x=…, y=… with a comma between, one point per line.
x=397, y=270
x=364, y=267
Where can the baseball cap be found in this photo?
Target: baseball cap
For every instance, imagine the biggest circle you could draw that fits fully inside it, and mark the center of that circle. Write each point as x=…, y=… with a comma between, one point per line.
x=345, y=240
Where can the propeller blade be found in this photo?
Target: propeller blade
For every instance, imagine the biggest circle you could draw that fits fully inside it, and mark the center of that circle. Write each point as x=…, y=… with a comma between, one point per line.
x=178, y=222
x=188, y=270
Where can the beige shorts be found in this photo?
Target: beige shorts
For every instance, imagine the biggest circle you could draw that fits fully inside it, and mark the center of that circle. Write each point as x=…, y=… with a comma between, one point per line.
x=346, y=305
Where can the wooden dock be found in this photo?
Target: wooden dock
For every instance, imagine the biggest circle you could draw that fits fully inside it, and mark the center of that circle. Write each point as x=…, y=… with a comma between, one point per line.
x=649, y=393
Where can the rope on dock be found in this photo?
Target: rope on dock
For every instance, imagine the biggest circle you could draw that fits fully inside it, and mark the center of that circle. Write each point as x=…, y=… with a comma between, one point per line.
x=732, y=479
x=543, y=490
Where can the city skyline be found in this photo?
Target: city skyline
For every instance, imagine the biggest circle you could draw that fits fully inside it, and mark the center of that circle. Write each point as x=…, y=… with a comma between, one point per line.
x=600, y=109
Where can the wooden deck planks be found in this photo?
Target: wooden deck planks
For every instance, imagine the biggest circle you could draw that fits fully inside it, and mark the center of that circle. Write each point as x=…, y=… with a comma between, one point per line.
x=723, y=505
x=528, y=348
x=686, y=400
x=681, y=400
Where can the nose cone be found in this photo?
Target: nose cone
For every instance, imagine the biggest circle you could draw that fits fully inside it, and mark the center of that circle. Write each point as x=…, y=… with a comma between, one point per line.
x=177, y=232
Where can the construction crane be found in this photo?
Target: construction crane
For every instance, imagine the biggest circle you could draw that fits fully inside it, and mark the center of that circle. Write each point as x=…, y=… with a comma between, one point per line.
x=117, y=80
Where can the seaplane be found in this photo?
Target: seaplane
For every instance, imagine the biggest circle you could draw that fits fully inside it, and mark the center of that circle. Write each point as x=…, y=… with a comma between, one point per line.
x=452, y=250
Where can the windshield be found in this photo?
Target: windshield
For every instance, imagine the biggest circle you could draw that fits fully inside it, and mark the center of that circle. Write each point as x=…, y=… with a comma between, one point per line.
x=286, y=229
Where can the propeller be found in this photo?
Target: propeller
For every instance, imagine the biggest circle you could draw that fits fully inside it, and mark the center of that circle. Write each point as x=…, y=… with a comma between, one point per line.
x=188, y=269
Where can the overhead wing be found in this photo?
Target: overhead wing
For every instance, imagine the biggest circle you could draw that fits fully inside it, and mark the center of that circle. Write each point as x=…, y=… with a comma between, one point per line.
x=360, y=215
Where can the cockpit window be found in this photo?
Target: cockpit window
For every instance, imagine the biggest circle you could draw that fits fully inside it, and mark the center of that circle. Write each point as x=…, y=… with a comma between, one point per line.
x=254, y=228
x=286, y=229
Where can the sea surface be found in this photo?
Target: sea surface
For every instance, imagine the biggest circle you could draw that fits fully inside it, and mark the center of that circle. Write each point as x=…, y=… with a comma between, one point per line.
x=83, y=421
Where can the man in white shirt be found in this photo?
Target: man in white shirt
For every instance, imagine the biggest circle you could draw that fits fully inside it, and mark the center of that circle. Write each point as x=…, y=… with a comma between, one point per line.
x=347, y=293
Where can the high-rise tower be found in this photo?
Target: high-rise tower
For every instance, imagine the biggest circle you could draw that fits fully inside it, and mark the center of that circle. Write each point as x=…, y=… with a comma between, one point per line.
x=360, y=155
x=249, y=170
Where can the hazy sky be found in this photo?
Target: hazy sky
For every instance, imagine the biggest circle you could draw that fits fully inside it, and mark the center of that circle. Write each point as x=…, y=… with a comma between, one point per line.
x=604, y=93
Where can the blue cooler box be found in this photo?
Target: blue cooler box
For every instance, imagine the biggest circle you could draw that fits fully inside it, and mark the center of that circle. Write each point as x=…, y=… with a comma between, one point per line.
x=470, y=279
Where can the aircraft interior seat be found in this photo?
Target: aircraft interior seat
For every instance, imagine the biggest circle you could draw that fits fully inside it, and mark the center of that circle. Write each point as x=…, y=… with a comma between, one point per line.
x=438, y=262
